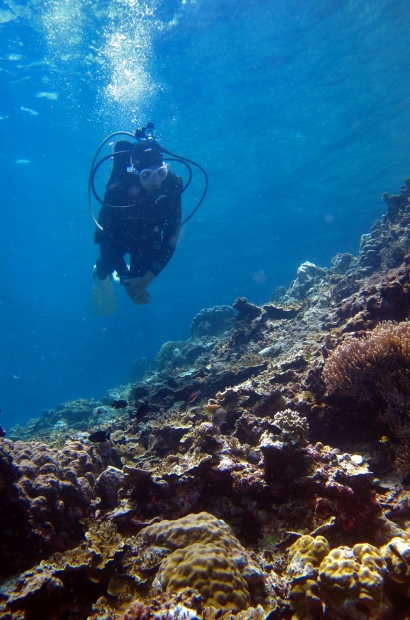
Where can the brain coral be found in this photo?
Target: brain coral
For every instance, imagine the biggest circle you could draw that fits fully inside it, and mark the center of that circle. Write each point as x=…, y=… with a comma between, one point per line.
x=205, y=555
x=304, y=557
x=397, y=557
x=202, y=527
x=351, y=581
x=209, y=569
x=306, y=554
x=44, y=493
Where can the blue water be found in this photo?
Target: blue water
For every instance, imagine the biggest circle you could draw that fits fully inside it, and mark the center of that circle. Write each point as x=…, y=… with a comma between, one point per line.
x=298, y=110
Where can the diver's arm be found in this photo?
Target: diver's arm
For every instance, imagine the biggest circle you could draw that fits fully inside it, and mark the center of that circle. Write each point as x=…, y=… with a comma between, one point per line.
x=170, y=232
x=135, y=287
x=108, y=215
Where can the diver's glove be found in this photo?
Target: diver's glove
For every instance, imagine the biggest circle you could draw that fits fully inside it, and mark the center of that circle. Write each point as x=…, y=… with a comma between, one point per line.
x=135, y=287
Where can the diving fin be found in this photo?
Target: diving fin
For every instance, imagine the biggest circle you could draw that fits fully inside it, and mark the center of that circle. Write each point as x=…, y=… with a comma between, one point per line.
x=103, y=302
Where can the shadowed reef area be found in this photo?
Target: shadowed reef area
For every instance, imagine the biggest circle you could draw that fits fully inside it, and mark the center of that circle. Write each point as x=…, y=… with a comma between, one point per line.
x=260, y=469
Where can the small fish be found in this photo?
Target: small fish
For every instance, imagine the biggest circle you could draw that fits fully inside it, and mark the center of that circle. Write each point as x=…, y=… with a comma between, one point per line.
x=141, y=409
x=2, y=431
x=219, y=417
x=99, y=437
x=29, y=111
x=119, y=404
x=47, y=95
x=194, y=396
x=384, y=439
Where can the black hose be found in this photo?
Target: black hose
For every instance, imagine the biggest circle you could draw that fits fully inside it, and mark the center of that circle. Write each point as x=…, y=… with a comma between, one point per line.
x=178, y=158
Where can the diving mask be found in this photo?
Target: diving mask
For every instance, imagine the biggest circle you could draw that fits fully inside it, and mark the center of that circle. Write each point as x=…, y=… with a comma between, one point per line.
x=153, y=176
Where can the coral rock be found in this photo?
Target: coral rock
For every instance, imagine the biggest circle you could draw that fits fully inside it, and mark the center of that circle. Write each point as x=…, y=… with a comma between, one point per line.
x=212, y=321
x=107, y=486
x=44, y=493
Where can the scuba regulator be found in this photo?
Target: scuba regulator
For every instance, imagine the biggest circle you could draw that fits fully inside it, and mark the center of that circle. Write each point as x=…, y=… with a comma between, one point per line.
x=144, y=133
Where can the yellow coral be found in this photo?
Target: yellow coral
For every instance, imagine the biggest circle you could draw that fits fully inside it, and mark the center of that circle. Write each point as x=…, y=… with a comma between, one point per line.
x=370, y=575
x=307, y=551
x=305, y=556
x=397, y=557
x=206, y=556
x=351, y=581
x=209, y=569
x=202, y=527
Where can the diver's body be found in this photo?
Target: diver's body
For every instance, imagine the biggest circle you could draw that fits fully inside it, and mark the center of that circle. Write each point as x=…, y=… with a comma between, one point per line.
x=141, y=216
x=147, y=231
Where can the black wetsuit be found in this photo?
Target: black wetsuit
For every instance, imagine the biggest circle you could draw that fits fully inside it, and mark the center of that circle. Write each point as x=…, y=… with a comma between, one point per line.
x=148, y=229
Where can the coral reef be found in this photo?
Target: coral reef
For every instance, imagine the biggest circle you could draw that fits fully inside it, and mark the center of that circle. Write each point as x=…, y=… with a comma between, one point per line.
x=258, y=469
x=44, y=493
x=212, y=321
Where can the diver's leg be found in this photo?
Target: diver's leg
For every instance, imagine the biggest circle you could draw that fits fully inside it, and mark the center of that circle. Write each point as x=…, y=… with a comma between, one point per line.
x=111, y=259
x=103, y=302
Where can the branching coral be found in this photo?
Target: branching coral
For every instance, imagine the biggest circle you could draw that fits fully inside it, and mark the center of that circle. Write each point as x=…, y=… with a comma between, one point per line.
x=364, y=367
x=376, y=368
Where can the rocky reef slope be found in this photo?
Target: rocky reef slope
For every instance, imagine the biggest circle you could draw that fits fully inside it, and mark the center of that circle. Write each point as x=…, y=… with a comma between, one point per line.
x=259, y=469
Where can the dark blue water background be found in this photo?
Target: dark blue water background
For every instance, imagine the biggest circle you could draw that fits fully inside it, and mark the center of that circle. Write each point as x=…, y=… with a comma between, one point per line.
x=298, y=110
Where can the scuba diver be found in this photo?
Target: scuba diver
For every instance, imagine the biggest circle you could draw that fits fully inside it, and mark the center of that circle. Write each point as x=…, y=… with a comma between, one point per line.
x=141, y=215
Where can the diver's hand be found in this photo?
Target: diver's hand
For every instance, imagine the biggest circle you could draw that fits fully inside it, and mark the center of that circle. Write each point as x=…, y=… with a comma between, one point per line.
x=143, y=299
x=135, y=287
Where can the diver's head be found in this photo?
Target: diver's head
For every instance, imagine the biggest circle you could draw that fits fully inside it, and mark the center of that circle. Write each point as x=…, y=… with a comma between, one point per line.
x=146, y=160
